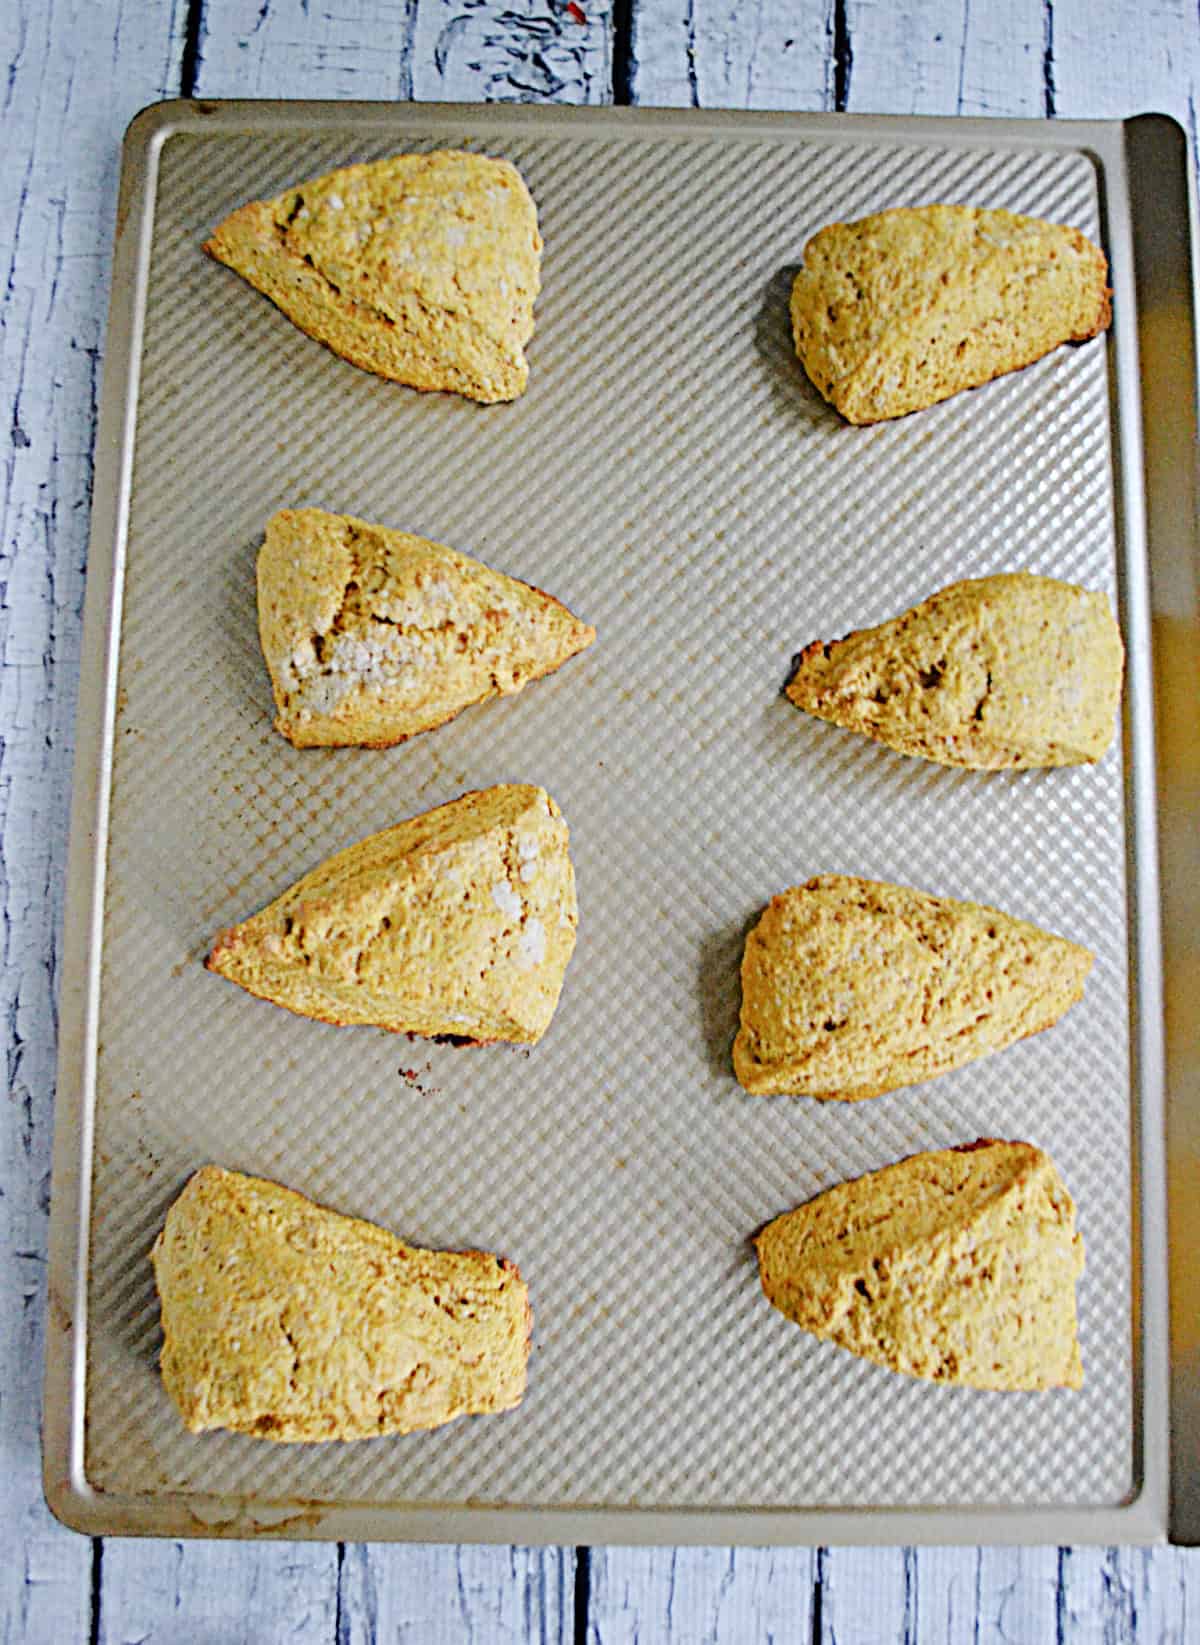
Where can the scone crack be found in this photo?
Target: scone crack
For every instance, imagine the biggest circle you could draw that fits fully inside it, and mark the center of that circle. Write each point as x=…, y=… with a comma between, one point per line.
x=292, y=1344
x=345, y=659
x=520, y=864
x=372, y=635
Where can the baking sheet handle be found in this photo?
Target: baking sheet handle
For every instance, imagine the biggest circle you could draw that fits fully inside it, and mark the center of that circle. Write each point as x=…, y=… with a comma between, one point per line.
x=1163, y=194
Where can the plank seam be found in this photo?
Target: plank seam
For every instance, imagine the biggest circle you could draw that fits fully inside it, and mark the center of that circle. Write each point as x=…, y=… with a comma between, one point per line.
x=911, y=1601
x=622, y=52
x=97, y=1579
x=816, y=1627
x=341, y=1622
x=404, y=87
x=962, y=55
x=978, y=1594
x=193, y=48
x=843, y=56
x=583, y=1594
x=693, y=77
x=1049, y=89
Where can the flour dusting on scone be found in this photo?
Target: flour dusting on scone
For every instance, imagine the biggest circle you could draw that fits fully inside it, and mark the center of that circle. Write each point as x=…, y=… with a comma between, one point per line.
x=372, y=635
x=460, y=921
x=958, y=1266
x=854, y=987
x=422, y=268
x=902, y=309
x=1009, y=671
x=285, y=1320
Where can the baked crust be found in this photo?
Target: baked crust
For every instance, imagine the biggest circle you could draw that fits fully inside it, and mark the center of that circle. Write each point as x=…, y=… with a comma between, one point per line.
x=899, y=310
x=422, y=268
x=458, y=922
x=371, y=635
x=288, y=1321
x=956, y=1266
x=852, y=987
x=1011, y=671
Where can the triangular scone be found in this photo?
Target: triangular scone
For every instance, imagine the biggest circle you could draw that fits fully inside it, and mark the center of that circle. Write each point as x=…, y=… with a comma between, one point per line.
x=957, y=1266
x=902, y=309
x=371, y=635
x=460, y=921
x=1007, y=671
x=284, y=1320
x=854, y=987
x=422, y=268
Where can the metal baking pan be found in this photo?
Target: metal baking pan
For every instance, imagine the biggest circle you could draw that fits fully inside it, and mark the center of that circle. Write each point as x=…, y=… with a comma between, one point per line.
x=672, y=476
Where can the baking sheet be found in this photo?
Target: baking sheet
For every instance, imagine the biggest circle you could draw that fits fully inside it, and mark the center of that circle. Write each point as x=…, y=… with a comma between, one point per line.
x=673, y=477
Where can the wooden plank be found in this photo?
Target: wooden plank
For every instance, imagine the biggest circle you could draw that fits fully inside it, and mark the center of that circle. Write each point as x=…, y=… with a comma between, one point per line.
x=440, y=1595
x=1108, y=62
x=987, y=1595
x=77, y=71
x=224, y=1593
x=868, y=1596
x=287, y=48
x=530, y=51
x=1127, y=1596
x=940, y=1596
x=958, y=58
x=758, y=54
x=678, y=1596
x=1016, y=1589
x=1013, y=57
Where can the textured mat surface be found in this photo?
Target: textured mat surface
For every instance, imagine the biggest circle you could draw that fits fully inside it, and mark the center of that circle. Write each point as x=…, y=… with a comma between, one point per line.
x=673, y=477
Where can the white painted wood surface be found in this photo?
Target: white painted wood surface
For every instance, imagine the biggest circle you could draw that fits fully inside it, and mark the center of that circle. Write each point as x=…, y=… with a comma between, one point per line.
x=679, y=1596
x=62, y=130
x=76, y=71
x=163, y=1593
x=963, y=58
x=434, y=50
x=444, y=1596
x=733, y=54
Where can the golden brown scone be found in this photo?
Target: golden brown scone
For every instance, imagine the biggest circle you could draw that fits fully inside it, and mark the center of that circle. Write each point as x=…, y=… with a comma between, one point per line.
x=1013, y=671
x=460, y=921
x=852, y=987
x=957, y=1266
x=371, y=635
x=902, y=309
x=422, y=268
x=284, y=1320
